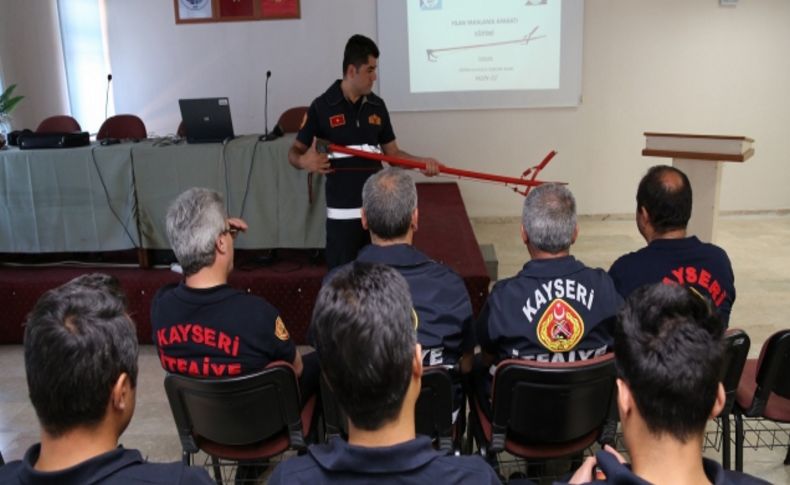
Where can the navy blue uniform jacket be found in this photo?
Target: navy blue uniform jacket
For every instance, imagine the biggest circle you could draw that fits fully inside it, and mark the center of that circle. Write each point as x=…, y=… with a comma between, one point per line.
x=412, y=462
x=119, y=466
x=688, y=262
x=552, y=310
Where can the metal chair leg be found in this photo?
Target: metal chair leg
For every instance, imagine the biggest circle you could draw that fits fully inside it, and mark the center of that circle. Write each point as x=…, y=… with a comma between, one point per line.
x=725, y=441
x=217, y=470
x=738, y=442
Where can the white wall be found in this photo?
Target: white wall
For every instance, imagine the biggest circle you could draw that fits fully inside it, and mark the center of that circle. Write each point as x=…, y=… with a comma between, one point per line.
x=32, y=58
x=155, y=62
x=670, y=65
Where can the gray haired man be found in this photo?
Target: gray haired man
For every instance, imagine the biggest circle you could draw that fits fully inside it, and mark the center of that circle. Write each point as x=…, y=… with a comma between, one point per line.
x=201, y=326
x=444, y=312
x=555, y=309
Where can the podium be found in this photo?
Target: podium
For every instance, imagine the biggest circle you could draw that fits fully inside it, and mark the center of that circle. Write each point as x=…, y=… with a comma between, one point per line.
x=700, y=157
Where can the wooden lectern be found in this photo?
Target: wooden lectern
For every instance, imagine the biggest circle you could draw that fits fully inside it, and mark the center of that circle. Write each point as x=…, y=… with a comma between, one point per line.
x=700, y=157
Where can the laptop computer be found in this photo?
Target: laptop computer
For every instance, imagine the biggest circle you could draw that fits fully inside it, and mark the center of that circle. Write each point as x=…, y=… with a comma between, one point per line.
x=206, y=120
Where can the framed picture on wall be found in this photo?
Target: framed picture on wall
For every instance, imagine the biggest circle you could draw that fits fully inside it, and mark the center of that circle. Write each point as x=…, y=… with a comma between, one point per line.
x=202, y=11
x=280, y=9
x=236, y=9
x=194, y=10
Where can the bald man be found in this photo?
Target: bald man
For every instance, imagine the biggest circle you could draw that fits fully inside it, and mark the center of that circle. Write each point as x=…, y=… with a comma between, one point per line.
x=663, y=209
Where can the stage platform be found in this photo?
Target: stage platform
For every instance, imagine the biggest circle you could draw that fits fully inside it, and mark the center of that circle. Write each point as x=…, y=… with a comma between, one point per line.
x=291, y=283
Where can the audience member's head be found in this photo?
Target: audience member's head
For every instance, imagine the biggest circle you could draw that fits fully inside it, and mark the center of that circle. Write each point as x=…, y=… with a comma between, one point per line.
x=389, y=202
x=549, y=218
x=665, y=193
x=358, y=49
x=80, y=349
x=367, y=342
x=668, y=348
x=194, y=222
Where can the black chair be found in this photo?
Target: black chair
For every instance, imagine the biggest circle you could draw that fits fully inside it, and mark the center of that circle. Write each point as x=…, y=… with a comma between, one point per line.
x=433, y=412
x=547, y=410
x=246, y=418
x=736, y=350
x=764, y=389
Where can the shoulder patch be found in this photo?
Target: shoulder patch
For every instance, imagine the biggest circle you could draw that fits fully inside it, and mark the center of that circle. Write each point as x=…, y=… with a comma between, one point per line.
x=374, y=119
x=560, y=327
x=280, y=331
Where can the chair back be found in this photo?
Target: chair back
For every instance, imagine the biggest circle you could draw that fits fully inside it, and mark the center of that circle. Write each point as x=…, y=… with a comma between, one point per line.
x=122, y=127
x=291, y=120
x=58, y=124
x=238, y=411
x=433, y=412
x=181, y=132
x=552, y=403
x=736, y=350
x=773, y=370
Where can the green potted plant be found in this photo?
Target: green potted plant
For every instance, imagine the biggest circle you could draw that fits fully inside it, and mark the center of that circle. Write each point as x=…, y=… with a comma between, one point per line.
x=7, y=104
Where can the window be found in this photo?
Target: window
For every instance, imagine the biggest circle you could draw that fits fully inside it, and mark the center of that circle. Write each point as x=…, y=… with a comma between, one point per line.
x=87, y=67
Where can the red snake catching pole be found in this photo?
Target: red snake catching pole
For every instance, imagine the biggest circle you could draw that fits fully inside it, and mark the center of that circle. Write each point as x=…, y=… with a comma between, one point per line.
x=525, y=182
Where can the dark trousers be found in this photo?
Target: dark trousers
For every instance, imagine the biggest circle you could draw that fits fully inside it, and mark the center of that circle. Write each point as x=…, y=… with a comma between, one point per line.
x=344, y=239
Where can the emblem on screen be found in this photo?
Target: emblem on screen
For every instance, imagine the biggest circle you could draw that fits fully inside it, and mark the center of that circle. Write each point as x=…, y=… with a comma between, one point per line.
x=194, y=4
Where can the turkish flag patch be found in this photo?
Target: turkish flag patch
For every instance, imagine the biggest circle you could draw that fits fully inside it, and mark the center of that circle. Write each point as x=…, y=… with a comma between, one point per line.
x=337, y=120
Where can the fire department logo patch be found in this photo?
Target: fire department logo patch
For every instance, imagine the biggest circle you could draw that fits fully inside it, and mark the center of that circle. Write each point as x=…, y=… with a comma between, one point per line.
x=280, y=331
x=337, y=120
x=374, y=120
x=560, y=327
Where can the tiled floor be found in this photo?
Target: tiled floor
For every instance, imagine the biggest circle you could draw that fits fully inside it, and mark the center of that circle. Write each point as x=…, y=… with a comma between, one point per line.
x=757, y=244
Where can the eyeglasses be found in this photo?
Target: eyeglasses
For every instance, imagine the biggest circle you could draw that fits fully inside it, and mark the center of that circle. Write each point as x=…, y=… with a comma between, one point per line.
x=233, y=231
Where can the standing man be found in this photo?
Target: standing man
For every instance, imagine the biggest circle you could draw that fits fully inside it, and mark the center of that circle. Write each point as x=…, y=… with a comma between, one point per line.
x=348, y=113
x=663, y=210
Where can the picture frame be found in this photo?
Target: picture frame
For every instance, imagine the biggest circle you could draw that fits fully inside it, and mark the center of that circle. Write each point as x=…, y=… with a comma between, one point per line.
x=209, y=11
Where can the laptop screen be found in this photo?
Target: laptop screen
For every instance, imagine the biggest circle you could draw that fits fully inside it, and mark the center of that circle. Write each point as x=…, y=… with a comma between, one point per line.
x=206, y=120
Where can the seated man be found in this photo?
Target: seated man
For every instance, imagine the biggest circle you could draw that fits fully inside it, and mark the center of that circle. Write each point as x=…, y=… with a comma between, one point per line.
x=203, y=327
x=556, y=309
x=364, y=331
x=669, y=354
x=663, y=210
x=81, y=364
x=444, y=312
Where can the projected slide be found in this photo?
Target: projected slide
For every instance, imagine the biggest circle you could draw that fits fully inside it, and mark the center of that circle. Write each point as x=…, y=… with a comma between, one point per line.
x=480, y=54
x=470, y=45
